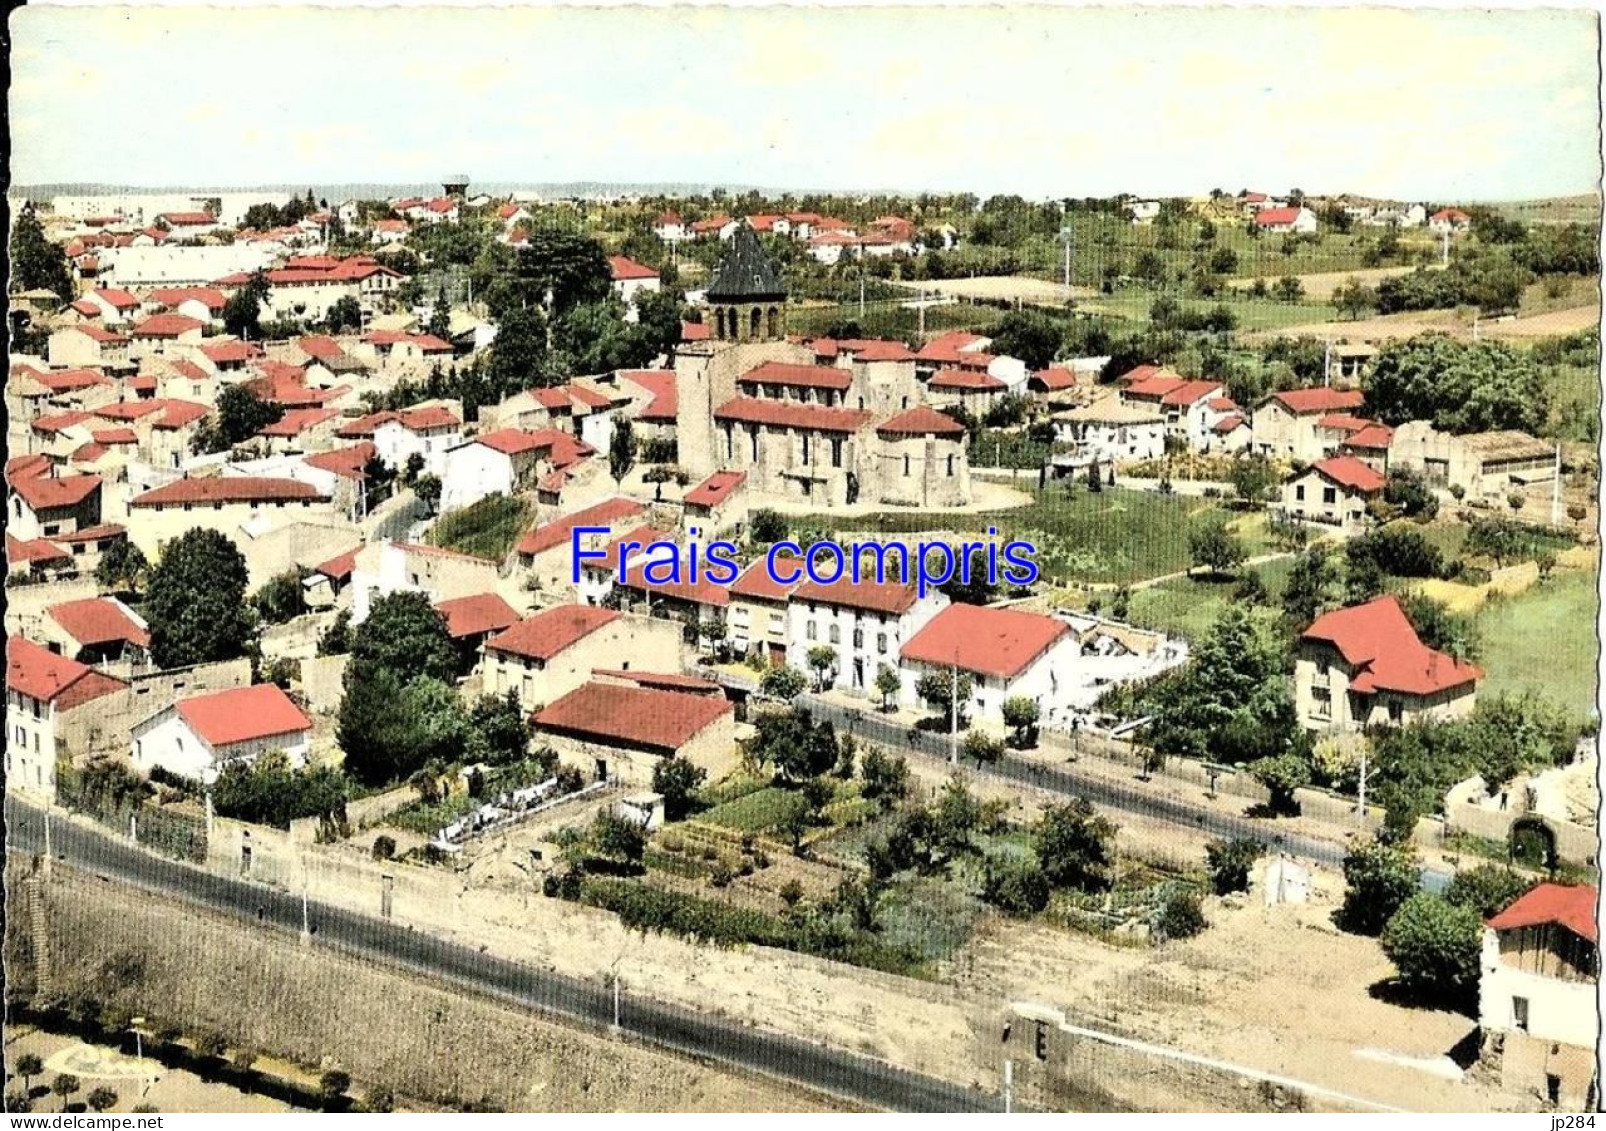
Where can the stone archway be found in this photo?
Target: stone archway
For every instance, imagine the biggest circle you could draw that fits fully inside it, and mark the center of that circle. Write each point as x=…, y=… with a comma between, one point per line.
x=1532, y=842
x=755, y=323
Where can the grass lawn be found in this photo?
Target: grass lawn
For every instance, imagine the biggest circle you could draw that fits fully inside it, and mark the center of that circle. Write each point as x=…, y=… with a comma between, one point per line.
x=1188, y=607
x=486, y=529
x=1115, y=535
x=757, y=811
x=1544, y=640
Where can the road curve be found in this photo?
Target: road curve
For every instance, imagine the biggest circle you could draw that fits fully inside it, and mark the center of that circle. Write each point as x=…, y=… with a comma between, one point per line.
x=845, y=1074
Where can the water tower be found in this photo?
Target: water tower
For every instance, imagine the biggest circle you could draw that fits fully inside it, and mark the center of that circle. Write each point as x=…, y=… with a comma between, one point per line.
x=456, y=185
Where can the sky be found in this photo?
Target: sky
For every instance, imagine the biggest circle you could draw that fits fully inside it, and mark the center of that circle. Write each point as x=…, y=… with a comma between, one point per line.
x=1046, y=102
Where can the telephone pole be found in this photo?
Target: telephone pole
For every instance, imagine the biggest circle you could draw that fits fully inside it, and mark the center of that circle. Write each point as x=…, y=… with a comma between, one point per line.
x=953, y=711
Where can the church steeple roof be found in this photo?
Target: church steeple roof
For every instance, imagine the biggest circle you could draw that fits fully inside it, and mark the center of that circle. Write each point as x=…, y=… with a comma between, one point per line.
x=744, y=273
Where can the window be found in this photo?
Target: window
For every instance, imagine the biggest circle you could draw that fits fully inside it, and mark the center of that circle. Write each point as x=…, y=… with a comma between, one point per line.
x=906, y=465
x=836, y=635
x=1329, y=496
x=881, y=643
x=807, y=448
x=858, y=638
x=836, y=451
x=810, y=631
x=1519, y=1014
x=1299, y=492
x=950, y=465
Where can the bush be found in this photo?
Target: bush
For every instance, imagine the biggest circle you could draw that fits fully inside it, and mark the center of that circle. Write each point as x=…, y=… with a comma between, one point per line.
x=1016, y=887
x=1379, y=878
x=384, y=847
x=1228, y=863
x=1487, y=889
x=1179, y=917
x=1435, y=947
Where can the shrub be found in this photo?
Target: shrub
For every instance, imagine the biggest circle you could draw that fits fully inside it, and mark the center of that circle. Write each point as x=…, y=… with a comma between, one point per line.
x=1228, y=863
x=1016, y=887
x=384, y=847
x=1180, y=916
x=1435, y=947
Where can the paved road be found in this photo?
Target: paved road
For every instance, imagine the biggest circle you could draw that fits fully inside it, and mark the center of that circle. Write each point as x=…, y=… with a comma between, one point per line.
x=845, y=1074
x=1070, y=782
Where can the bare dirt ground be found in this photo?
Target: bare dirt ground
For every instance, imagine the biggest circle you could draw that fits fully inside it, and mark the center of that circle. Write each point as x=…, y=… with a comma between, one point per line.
x=1319, y=286
x=1392, y=326
x=1024, y=288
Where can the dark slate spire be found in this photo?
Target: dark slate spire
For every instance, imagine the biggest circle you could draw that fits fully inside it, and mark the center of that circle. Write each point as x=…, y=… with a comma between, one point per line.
x=744, y=273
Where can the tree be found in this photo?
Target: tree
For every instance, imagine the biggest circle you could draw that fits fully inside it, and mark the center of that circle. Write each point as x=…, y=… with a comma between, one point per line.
x=938, y=689
x=1406, y=490
x=1228, y=863
x=821, y=659
x=1354, y=299
x=336, y=639
x=64, y=1085
x=195, y=601
x=242, y=313
x=1075, y=846
x=122, y=568
x=1498, y=538
x=1305, y=594
x=1282, y=775
x=767, y=526
x=1034, y=338
x=887, y=685
x=885, y=777
x=405, y=634
x=982, y=747
x=1021, y=715
x=440, y=317
x=1458, y=386
x=1290, y=289
x=28, y=1066
x=1016, y=887
x=1435, y=946
x=519, y=356
x=101, y=1099
x=332, y=1085
x=1455, y=634
x=560, y=270
x=36, y=262
x=621, y=450
x=1487, y=889
x=241, y=414
x=1251, y=477
x=344, y=314
x=1378, y=879
x=501, y=728
x=280, y=598
x=427, y=490
x=678, y=780
x=783, y=682
x=618, y=840
x=1212, y=545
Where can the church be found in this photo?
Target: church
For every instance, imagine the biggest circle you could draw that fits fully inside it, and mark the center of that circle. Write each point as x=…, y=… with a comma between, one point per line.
x=830, y=424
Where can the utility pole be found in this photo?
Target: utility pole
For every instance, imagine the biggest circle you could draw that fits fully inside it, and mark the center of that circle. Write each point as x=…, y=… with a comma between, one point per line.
x=922, y=305
x=1360, y=809
x=1555, y=495
x=48, y=853
x=1444, y=250
x=616, y=1002
x=953, y=711
x=1009, y=1085
x=306, y=922
x=1327, y=364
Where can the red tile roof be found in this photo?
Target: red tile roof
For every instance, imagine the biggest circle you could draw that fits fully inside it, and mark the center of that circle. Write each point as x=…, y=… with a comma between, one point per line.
x=116, y=297
x=188, y=218
x=173, y=296
x=1229, y=423
x=98, y=620
x=35, y=464
x=242, y=714
x=1566, y=905
x=797, y=376
x=756, y=582
x=58, y=421
x=669, y=681
x=178, y=413
x=48, y=492
x=363, y=426
x=989, y=642
x=100, y=334
x=476, y=615
x=1054, y=379
x=1302, y=402
x=423, y=419
x=220, y=353
x=921, y=421
x=1153, y=385
x=1191, y=392
x=641, y=717
x=1372, y=436
x=129, y=410
x=1454, y=214
x=715, y=489
x=1347, y=471
x=167, y=326
x=1377, y=639
x=660, y=385
x=68, y=380
x=622, y=267
x=511, y=441
x=37, y=672
x=1277, y=217
x=229, y=489
x=557, y=532
x=428, y=343
x=694, y=332
x=862, y=349
x=963, y=379
x=789, y=414
x=876, y=597
x=297, y=421
x=1343, y=422
x=339, y=567
x=37, y=550
x=545, y=634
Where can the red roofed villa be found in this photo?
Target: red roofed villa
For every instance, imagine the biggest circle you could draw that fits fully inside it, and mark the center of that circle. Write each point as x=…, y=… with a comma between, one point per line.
x=197, y=738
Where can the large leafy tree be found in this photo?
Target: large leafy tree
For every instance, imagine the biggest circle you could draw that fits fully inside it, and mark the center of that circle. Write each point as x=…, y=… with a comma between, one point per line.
x=406, y=634
x=1075, y=846
x=35, y=261
x=558, y=270
x=1435, y=946
x=1379, y=878
x=1459, y=386
x=195, y=601
x=242, y=314
x=1034, y=338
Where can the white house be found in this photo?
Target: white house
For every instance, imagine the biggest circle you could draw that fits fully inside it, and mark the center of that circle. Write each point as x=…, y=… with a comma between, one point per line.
x=196, y=738
x=1333, y=492
x=429, y=432
x=383, y=568
x=1299, y=220
x=1537, y=996
x=630, y=280
x=1447, y=221
x=497, y=463
x=670, y=228
x=866, y=624
x=1007, y=654
x=44, y=693
x=1109, y=431
x=1190, y=407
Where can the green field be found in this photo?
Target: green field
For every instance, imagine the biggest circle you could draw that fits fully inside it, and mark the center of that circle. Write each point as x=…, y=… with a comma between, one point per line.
x=888, y=319
x=762, y=809
x=1544, y=640
x=1132, y=305
x=486, y=529
x=1187, y=607
x=1115, y=535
